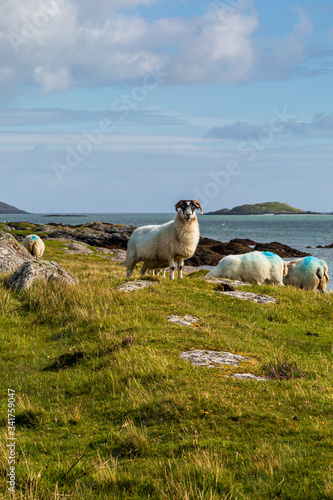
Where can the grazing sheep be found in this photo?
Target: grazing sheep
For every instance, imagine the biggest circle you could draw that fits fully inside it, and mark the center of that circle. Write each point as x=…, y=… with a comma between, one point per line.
x=35, y=245
x=309, y=273
x=163, y=246
x=254, y=267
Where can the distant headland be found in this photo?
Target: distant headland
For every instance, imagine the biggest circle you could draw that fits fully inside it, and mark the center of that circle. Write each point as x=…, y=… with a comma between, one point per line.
x=268, y=208
x=9, y=209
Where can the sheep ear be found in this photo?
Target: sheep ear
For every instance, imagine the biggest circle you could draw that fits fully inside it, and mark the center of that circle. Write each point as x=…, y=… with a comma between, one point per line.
x=178, y=204
x=327, y=277
x=199, y=207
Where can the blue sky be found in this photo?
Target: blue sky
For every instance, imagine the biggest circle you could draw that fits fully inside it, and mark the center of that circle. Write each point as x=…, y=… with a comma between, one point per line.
x=131, y=105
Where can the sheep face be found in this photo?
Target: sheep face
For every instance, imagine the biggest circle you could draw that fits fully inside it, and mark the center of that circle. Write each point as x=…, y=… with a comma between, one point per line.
x=187, y=209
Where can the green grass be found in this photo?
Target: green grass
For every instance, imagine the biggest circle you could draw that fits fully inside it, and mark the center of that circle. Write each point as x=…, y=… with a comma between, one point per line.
x=102, y=416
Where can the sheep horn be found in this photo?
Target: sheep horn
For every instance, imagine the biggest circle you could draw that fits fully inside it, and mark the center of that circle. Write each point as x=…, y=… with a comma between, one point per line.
x=178, y=204
x=199, y=206
x=327, y=276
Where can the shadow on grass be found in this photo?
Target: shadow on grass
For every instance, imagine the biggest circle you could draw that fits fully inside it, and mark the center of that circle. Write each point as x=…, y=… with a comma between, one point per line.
x=67, y=360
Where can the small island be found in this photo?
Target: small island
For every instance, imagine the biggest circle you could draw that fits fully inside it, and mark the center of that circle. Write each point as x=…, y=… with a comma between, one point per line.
x=9, y=209
x=268, y=208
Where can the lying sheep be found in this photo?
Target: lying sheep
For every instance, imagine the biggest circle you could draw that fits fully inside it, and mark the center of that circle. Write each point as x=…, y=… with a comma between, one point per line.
x=308, y=273
x=163, y=246
x=35, y=245
x=254, y=267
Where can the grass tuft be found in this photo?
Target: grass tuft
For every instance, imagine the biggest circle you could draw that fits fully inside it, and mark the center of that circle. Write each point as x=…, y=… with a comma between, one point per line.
x=282, y=369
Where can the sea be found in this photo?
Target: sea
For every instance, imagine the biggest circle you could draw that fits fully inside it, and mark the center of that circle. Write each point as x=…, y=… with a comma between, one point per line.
x=297, y=231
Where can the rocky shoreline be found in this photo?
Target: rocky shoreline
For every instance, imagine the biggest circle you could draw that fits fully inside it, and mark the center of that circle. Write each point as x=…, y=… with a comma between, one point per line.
x=209, y=251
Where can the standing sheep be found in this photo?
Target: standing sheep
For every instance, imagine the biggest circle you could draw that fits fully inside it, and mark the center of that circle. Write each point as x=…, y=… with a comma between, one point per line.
x=254, y=267
x=35, y=245
x=165, y=245
x=308, y=273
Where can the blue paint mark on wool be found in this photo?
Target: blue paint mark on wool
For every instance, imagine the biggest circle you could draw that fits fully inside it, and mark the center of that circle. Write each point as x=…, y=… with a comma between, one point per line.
x=271, y=255
x=310, y=261
x=34, y=238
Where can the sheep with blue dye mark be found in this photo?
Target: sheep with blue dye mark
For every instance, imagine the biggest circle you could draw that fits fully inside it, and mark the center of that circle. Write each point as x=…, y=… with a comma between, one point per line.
x=164, y=245
x=35, y=245
x=309, y=273
x=261, y=268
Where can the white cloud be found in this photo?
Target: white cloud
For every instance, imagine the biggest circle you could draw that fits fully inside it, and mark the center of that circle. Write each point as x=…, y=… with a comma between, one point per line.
x=56, y=43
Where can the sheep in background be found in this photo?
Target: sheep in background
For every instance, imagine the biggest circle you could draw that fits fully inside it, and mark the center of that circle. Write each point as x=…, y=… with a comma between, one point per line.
x=156, y=272
x=308, y=273
x=254, y=267
x=167, y=244
x=35, y=245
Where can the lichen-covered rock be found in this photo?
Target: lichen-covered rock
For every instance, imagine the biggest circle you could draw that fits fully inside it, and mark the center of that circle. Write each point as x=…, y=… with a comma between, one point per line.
x=253, y=297
x=132, y=286
x=186, y=320
x=12, y=254
x=225, y=281
x=34, y=270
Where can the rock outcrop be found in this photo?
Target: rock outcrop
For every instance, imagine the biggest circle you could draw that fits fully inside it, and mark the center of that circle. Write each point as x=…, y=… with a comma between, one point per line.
x=78, y=248
x=34, y=270
x=209, y=252
x=115, y=236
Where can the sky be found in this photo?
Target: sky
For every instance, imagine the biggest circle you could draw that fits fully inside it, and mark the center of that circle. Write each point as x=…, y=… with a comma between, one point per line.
x=131, y=105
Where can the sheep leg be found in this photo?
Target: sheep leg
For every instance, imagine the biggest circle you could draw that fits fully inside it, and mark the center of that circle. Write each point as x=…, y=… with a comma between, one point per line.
x=172, y=269
x=144, y=270
x=180, y=268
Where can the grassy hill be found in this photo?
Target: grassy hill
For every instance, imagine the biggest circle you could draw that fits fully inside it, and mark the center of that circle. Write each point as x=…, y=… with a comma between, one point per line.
x=9, y=209
x=270, y=207
x=105, y=408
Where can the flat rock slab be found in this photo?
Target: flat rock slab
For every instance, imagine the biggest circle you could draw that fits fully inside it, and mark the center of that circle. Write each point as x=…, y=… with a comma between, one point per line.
x=78, y=248
x=225, y=281
x=132, y=286
x=34, y=270
x=186, y=320
x=253, y=297
x=12, y=254
x=213, y=359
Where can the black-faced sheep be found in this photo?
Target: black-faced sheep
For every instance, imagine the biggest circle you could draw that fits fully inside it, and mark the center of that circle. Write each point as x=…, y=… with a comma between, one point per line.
x=167, y=244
